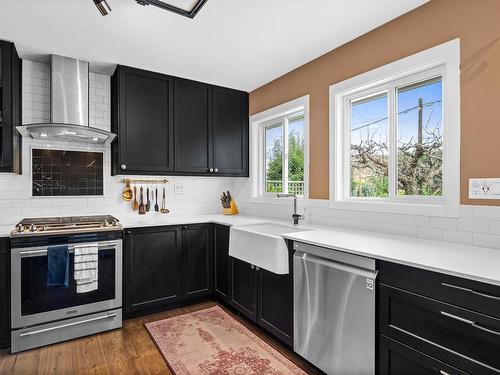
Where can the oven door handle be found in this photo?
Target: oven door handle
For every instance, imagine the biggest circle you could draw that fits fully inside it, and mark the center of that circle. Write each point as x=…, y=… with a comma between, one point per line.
x=71, y=248
x=37, y=332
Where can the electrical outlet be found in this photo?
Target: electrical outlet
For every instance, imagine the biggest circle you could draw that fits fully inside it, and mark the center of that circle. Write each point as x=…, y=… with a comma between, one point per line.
x=178, y=189
x=484, y=188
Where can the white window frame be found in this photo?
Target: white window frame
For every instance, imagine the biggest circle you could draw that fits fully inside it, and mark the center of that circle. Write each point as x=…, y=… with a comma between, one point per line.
x=443, y=61
x=257, y=148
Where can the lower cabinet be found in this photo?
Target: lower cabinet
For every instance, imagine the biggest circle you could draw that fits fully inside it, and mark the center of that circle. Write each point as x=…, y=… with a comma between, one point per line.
x=264, y=297
x=275, y=304
x=428, y=325
x=166, y=265
x=244, y=288
x=152, y=268
x=395, y=358
x=221, y=262
x=4, y=293
x=197, y=261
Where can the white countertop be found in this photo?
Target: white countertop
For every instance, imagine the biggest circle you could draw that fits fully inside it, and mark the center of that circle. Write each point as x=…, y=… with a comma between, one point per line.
x=472, y=262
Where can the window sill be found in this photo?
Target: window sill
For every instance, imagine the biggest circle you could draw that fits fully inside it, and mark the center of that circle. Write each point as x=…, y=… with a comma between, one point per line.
x=442, y=209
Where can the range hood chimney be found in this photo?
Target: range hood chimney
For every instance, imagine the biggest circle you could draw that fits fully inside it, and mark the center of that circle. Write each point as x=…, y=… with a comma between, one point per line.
x=69, y=114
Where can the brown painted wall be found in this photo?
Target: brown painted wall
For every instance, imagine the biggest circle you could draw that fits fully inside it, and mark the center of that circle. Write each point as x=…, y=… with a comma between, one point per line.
x=475, y=22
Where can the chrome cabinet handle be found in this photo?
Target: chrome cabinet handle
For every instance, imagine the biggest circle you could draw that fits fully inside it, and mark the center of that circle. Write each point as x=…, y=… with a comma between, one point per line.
x=252, y=266
x=470, y=291
x=469, y=322
x=123, y=166
x=30, y=333
x=216, y=170
x=210, y=170
x=443, y=372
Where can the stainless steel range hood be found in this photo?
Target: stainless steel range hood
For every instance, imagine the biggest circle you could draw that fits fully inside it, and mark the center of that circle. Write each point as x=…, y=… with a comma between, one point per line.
x=69, y=116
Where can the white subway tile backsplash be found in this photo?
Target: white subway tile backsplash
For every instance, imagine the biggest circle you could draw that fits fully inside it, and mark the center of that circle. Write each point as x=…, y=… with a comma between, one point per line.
x=201, y=195
x=473, y=225
x=443, y=222
x=487, y=240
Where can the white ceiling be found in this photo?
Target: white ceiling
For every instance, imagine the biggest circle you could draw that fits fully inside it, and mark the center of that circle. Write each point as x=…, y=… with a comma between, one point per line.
x=236, y=43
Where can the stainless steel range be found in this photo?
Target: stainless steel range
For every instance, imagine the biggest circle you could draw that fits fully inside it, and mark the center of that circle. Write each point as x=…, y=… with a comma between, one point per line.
x=43, y=314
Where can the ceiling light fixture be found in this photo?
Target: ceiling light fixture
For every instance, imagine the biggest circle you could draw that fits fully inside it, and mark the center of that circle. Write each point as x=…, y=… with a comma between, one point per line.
x=186, y=8
x=103, y=7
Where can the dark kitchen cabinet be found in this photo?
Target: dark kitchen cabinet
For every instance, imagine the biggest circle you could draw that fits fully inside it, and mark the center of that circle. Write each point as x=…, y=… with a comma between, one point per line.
x=192, y=126
x=264, y=297
x=230, y=131
x=142, y=118
x=153, y=268
x=4, y=292
x=197, y=262
x=275, y=304
x=221, y=254
x=175, y=126
x=10, y=108
x=395, y=358
x=243, y=295
x=442, y=319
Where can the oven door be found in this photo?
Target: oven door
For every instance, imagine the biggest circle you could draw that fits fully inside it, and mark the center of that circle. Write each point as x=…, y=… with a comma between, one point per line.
x=33, y=302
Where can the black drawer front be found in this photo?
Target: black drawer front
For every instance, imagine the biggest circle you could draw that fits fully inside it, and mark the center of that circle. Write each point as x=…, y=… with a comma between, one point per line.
x=395, y=358
x=460, y=337
x=4, y=318
x=473, y=295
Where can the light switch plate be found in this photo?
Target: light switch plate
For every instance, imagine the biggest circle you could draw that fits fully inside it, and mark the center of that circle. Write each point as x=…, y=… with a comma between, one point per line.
x=484, y=188
x=178, y=189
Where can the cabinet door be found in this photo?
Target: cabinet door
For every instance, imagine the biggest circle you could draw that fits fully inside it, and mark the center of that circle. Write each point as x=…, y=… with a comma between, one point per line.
x=275, y=304
x=192, y=129
x=230, y=131
x=10, y=108
x=197, y=254
x=221, y=242
x=152, y=268
x=244, y=288
x=395, y=358
x=145, y=134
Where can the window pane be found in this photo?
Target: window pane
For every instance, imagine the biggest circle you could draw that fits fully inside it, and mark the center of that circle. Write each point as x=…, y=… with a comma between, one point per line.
x=274, y=158
x=369, y=147
x=296, y=154
x=420, y=139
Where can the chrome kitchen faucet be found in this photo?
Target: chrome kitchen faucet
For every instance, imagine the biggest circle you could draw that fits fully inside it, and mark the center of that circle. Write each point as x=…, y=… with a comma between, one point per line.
x=296, y=217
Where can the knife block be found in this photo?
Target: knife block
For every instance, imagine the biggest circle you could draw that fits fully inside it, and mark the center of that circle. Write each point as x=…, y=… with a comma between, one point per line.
x=233, y=210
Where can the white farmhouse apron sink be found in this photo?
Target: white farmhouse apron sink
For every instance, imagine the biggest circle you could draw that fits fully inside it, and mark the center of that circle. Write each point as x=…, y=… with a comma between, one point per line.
x=262, y=245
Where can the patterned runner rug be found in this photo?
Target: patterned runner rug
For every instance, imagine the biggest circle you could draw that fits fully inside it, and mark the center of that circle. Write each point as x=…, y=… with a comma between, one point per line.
x=212, y=342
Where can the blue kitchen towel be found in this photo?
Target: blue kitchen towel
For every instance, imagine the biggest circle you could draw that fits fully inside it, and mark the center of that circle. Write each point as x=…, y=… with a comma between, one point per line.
x=57, y=266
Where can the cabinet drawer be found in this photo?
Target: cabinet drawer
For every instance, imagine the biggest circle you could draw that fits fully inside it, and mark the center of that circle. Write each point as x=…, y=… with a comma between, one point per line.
x=459, y=337
x=395, y=358
x=472, y=295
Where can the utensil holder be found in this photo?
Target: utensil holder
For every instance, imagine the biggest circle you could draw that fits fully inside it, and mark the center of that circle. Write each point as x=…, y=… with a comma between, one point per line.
x=233, y=210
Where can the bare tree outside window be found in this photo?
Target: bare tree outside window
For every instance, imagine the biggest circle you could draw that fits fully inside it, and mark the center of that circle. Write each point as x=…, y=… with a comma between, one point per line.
x=418, y=117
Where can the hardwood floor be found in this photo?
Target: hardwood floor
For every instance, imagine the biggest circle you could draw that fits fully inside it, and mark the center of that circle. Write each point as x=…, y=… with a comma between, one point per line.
x=128, y=350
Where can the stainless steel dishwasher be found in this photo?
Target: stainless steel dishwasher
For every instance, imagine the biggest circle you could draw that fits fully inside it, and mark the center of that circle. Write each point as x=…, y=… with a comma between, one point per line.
x=334, y=310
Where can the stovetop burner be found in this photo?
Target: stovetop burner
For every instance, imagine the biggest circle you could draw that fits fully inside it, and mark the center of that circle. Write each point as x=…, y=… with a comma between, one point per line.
x=50, y=225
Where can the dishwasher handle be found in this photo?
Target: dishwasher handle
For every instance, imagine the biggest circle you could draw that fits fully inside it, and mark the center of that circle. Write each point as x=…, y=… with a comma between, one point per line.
x=309, y=258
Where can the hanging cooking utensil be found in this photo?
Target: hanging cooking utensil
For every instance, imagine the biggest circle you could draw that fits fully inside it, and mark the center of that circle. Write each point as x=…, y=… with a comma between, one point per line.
x=157, y=208
x=148, y=202
x=142, y=207
x=135, y=204
x=163, y=209
x=127, y=192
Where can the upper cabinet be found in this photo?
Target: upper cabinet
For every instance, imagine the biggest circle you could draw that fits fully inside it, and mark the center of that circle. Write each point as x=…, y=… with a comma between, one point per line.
x=175, y=126
x=192, y=126
x=10, y=108
x=142, y=114
x=230, y=131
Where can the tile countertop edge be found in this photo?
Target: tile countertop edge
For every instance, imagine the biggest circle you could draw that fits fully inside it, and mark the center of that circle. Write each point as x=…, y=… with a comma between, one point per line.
x=483, y=263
